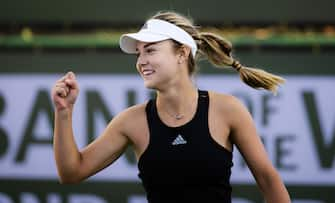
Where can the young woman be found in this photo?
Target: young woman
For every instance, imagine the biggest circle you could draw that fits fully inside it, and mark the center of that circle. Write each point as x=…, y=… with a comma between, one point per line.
x=184, y=138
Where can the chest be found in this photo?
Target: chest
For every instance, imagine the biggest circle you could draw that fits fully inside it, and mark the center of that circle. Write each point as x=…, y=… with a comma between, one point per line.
x=184, y=155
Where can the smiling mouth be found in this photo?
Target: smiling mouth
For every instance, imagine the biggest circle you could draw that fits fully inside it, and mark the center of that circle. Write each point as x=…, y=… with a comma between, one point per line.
x=147, y=72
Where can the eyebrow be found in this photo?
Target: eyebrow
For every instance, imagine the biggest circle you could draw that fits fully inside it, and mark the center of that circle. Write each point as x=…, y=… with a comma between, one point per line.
x=147, y=45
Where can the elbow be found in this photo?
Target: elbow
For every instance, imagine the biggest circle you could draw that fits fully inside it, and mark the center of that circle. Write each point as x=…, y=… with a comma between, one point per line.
x=67, y=181
x=69, y=178
x=71, y=172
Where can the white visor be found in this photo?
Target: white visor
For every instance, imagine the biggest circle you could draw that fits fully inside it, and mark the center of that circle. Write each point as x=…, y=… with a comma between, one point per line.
x=155, y=30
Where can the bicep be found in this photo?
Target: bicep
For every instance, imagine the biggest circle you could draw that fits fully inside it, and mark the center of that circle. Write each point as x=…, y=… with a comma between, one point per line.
x=104, y=150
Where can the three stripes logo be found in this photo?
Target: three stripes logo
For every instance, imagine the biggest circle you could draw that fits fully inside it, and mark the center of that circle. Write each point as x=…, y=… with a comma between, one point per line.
x=179, y=140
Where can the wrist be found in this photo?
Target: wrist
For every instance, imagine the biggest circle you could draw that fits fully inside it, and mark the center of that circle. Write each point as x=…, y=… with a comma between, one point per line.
x=64, y=113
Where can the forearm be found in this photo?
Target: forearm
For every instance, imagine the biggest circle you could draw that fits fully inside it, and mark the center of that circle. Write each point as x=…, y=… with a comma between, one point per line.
x=66, y=152
x=273, y=189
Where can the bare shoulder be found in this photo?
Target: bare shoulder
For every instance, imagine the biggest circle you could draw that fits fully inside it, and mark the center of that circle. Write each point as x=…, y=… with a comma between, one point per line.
x=226, y=103
x=132, y=114
x=229, y=108
x=131, y=120
x=135, y=127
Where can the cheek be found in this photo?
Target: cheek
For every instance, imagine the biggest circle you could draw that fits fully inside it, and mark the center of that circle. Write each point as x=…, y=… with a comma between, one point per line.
x=137, y=67
x=167, y=60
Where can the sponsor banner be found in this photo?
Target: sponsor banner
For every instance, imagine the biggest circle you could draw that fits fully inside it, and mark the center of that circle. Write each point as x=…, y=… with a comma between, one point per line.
x=21, y=191
x=296, y=126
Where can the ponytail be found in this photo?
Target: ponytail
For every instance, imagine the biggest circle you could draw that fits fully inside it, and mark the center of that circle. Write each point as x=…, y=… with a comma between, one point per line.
x=218, y=51
x=257, y=78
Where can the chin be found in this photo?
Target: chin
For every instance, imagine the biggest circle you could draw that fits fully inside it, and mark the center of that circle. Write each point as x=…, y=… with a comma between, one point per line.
x=149, y=85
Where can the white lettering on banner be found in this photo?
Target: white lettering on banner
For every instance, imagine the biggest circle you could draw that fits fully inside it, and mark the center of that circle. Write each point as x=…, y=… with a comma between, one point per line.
x=307, y=201
x=143, y=199
x=54, y=198
x=137, y=199
x=297, y=126
x=26, y=197
x=83, y=198
x=4, y=198
x=90, y=198
x=239, y=200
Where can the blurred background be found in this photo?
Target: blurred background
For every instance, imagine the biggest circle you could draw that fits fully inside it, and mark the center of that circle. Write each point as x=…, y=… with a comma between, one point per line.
x=42, y=40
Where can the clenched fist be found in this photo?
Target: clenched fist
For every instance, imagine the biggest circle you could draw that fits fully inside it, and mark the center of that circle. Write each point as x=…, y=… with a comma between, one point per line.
x=65, y=92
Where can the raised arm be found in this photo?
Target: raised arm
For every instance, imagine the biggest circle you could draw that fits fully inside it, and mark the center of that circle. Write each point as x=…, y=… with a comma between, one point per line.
x=246, y=139
x=74, y=165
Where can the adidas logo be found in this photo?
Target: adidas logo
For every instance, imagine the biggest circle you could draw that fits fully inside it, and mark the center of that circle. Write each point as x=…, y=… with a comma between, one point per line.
x=179, y=140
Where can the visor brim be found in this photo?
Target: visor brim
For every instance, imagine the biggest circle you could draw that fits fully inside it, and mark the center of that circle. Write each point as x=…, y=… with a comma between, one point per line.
x=128, y=41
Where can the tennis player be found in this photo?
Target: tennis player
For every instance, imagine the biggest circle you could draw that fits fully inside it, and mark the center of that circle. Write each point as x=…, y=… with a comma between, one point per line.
x=183, y=139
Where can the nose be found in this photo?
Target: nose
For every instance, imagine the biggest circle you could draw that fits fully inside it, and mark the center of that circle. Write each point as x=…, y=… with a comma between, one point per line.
x=141, y=60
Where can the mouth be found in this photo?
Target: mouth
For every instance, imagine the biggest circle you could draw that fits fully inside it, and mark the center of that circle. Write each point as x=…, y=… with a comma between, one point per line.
x=147, y=72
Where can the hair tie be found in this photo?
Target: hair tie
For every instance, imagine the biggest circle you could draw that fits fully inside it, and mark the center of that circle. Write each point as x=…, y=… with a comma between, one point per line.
x=236, y=65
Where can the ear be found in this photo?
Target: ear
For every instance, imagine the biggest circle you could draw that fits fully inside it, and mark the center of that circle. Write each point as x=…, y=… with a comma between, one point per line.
x=184, y=53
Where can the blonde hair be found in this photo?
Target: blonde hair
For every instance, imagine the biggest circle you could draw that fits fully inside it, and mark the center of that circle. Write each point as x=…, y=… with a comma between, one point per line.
x=218, y=50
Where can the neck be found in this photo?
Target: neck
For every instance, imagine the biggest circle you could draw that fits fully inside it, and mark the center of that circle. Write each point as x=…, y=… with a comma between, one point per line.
x=178, y=102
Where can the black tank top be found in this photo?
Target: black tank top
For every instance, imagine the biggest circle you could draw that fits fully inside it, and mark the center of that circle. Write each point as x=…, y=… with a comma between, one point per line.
x=185, y=164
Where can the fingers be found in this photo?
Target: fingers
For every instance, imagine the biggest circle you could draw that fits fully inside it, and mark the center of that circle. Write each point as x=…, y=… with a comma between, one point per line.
x=70, y=75
x=70, y=80
x=71, y=83
x=62, y=85
x=61, y=92
x=62, y=89
x=65, y=84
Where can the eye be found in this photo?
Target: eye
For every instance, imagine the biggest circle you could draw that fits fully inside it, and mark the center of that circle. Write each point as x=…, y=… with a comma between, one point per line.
x=150, y=50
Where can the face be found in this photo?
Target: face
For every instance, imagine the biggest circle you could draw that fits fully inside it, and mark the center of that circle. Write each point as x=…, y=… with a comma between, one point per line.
x=157, y=63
